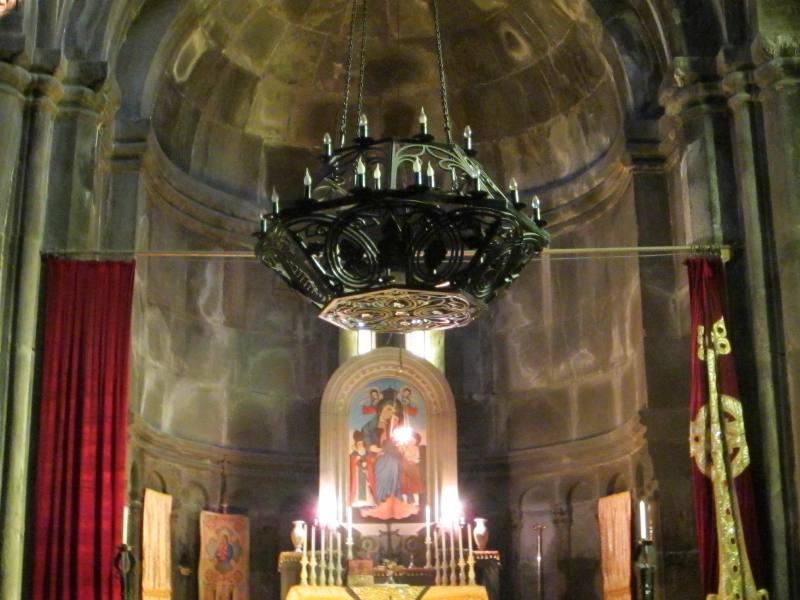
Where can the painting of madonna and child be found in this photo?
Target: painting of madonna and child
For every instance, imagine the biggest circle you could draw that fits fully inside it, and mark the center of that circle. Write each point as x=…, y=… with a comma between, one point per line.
x=387, y=452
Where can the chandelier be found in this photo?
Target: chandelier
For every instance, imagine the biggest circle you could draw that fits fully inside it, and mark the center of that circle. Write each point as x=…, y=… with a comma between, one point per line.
x=400, y=235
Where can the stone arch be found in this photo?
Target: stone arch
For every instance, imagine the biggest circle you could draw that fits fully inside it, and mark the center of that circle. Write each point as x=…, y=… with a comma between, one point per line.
x=617, y=483
x=156, y=481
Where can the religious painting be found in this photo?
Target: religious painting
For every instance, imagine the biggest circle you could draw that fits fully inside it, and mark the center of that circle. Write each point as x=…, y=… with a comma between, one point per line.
x=224, y=556
x=388, y=442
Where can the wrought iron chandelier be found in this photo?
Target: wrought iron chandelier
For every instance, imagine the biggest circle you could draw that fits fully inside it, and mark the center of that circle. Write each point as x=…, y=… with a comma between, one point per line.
x=380, y=243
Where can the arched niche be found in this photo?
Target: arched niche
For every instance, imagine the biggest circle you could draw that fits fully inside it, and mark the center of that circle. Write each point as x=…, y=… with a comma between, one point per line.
x=348, y=390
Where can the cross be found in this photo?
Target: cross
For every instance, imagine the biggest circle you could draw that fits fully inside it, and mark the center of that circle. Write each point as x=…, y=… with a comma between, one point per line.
x=388, y=533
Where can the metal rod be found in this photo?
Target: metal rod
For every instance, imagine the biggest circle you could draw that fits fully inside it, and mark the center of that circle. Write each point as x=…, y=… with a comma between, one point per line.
x=608, y=250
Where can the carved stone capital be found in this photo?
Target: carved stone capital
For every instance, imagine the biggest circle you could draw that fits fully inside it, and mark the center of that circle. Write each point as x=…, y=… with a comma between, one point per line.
x=561, y=515
x=692, y=87
x=778, y=60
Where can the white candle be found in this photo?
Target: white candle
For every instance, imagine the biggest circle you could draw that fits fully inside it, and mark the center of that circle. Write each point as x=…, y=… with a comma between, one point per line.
x=349, y=523
x=427, y=521
x=460, y=545
x=126, y=513
x=469, y=538
x=643, y=533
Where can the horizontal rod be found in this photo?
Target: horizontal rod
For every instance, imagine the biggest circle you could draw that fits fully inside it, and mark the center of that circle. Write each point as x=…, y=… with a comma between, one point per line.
x=723, y=250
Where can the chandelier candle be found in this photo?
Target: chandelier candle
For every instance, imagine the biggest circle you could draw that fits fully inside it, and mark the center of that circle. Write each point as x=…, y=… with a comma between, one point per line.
x=431, y=183
x=376, y=177
x=327, y=146
x=276, y=202
x=363, y=127
x=513, y=189
x=423, y=122
x=307, y=185
x=536, y=206
x=417, y=167
x=468, y=139
x=361, y=174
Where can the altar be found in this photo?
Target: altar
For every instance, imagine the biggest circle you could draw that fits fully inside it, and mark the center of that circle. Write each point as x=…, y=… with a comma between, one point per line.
x=389, y=592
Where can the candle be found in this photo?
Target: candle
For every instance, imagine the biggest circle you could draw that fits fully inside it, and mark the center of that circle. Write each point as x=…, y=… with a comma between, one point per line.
x=431, y=176
x=323, y=556
x=427, y=521
x=327, y=145
x=469, y=539
x=376, y=176
x=452, y=554
x=338, y=557
x=313, y=554
x=537, y=209
x=307, y=185
x=363, y=126
x=460, y=545
x=276, y=202
x=468, y=138
x=513, y=188
x=644, y=534
x=423, y=121
x=361, y=173
x=126, y=514
x=264, y=223
x=417, y=167
x=476, y=177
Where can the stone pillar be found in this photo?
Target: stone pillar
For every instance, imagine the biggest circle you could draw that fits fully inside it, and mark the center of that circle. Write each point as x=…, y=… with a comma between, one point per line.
x=562, y=524
x=44, y=93
x=13, y=81
x=778, y=75
x=753, y=195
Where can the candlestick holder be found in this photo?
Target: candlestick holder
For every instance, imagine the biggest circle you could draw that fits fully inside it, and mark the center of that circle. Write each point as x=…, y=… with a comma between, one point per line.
x=428, y=543
x=338, y=569
x=304, y=569
x=313, y=569
x=471, y=570
x=462, y=573
x=349, y=544
x=124, y=563
x=645, y=570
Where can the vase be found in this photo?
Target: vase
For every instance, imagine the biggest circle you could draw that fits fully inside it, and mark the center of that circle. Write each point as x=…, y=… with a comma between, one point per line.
x=298, y=535
x=480, y=533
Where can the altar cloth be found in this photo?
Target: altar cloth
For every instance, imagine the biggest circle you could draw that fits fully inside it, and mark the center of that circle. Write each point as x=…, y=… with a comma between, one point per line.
x=388, y=592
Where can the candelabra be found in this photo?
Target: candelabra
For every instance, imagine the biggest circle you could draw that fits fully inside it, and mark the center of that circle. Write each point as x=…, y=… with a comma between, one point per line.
x=124, y=563
x=645, y=570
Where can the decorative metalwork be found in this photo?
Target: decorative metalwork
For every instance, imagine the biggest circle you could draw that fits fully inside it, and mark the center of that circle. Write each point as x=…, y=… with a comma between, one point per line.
x=411, y=250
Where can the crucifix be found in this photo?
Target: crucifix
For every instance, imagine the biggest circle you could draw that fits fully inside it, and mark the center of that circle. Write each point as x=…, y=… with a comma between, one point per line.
x=389, y=533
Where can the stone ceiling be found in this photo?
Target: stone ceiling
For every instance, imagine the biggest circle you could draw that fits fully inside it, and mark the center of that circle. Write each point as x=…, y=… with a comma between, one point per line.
x=527, y=75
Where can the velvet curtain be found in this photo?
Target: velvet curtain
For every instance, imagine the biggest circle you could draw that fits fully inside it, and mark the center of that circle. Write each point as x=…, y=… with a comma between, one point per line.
x=80, y=464
x=725, y=517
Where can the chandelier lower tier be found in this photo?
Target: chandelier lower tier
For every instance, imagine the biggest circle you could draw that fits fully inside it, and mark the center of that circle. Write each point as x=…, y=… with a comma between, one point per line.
x=407, y=251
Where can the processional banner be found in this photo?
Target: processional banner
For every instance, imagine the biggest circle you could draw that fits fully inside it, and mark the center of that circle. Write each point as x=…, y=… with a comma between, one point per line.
x=224, y=556
x=156, y=563
x=614, y=513
x=725, y=517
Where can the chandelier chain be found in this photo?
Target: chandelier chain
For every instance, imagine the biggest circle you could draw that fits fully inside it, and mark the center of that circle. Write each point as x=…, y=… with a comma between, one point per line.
x=363, y=60
x=442, y=79
x=349, y=69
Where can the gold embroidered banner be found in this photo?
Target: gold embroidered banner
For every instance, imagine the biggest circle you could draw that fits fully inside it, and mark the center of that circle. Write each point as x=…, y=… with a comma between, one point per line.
x=156, y=564
x=224, y=556
x=614, y=513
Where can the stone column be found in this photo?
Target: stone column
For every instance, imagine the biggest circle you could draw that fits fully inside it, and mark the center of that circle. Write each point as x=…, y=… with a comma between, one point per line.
x=13, y=81
x=753, y=195
x=778, y=75
x=44, y=93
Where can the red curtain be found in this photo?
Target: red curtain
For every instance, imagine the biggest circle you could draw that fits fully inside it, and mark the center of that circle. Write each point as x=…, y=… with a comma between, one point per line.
x=717, y=381
x=80, y=465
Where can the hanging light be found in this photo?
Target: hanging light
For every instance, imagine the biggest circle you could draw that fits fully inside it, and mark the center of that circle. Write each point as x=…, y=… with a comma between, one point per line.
x=402, y=254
